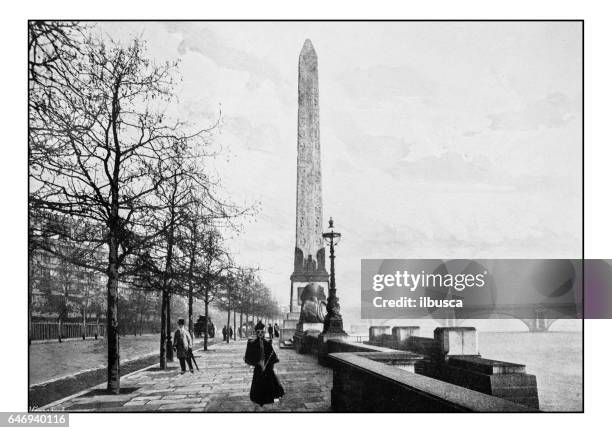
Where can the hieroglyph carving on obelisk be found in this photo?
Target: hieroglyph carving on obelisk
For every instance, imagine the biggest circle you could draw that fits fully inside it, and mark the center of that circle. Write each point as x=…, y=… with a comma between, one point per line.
x=309, y=224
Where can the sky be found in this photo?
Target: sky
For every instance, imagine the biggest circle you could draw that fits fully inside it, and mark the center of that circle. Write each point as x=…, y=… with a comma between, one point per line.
x=439, y=140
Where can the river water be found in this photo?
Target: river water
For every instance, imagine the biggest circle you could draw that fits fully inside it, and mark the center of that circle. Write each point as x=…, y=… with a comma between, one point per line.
x=554, y=357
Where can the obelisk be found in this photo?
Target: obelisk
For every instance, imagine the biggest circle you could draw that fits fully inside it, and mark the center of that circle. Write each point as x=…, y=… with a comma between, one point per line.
x=309, y=256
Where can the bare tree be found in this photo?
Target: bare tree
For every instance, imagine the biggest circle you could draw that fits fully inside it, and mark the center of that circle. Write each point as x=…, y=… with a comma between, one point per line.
x=245, y=278
x=226, y=299
x=209, y=270
x=101, y=146
x=205, y=258
x=174, y=197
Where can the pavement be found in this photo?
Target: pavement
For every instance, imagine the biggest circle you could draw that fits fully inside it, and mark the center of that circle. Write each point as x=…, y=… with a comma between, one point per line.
x=221, y=385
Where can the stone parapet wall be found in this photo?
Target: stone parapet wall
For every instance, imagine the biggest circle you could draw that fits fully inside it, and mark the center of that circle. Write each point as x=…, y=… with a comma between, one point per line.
x=452, y=356
x=424, y=346
x=361, y=384
x=496, y=378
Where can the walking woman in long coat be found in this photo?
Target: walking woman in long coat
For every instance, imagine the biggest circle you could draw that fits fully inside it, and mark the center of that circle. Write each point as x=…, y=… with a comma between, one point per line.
x=265, y=386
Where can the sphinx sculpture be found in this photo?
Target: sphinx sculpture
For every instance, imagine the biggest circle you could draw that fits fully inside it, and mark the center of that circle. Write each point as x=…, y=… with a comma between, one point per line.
x=314, y=304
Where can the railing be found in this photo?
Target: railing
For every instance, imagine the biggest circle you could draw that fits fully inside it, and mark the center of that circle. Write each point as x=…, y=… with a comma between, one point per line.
x=50, y=330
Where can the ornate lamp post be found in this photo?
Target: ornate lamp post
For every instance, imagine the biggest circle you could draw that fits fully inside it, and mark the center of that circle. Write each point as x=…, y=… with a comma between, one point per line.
x=333, y=318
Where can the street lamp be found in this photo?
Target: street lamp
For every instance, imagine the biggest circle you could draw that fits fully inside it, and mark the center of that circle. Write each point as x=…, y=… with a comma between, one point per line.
x=333, y=319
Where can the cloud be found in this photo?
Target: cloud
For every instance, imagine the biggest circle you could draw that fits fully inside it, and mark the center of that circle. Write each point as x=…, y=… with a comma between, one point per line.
x=452, y=168
x=249, y=137
x=554, y=111
x=381, y=83
x=377, y=151
x=200, y=39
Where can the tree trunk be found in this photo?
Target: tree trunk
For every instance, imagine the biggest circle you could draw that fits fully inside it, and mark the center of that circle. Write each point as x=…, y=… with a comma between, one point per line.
x=190, y=310
x=135, y=317
x=235, y=330
x=241, y=334
x=169, y=351
x=112, y=322
x=162, y=332
x=206, y=321
x=141, y=316
x=84, y=332
x=30, y=282
x=59, y=329
x=228, y=321
x=247, y=322
x=191, y=265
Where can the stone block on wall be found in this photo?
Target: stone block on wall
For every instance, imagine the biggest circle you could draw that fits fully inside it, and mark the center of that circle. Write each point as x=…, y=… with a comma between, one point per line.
x=377, y=333
x=401, y=334
x=457, y=340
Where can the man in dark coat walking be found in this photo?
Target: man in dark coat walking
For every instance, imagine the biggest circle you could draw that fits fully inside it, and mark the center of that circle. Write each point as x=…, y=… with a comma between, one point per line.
x=265, y=386
x=182, y=345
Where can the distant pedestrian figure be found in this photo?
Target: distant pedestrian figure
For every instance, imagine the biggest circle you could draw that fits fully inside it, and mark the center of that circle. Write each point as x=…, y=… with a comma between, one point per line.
x=270, y=331
x=231, y=332
x=276, y=331
x=224, y=332
x=265, y=387
x=183, y=344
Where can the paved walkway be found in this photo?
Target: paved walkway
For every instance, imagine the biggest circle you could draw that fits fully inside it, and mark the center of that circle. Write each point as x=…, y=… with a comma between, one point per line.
x=221, y=385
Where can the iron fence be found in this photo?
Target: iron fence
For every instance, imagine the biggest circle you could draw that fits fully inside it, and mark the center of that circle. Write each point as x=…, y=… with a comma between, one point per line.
x=51, y=331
